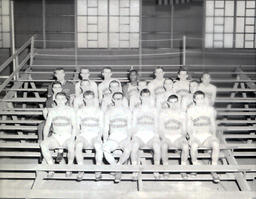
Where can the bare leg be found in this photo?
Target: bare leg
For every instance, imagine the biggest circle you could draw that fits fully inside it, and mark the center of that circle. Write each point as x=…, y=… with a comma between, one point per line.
x=164, y=151
x=184, y=153
x=107, y=153
x=215, y=152
x=79, y=154
x=156, y=149
x=45, y=147
x=194, y=153
x=71, y=152
x=134, y=153
x=126, y=154
x=99, y=153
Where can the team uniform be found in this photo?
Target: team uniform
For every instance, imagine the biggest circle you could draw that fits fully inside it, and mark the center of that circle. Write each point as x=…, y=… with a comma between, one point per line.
x=68, y=88
x=78, y=102
x=187, y=101
x=156, y=87
x=200, y=123
x=172, y=125
x=103, y=88
x=107, y=101
x=145, y=124
x=132, y=93
x=181, y=88
x=93, y=87
x=117, y=131
x=162, y=98
x=210, y=92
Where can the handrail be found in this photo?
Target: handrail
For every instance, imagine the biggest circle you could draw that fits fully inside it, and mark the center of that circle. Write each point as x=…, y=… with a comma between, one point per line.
x=12, y=58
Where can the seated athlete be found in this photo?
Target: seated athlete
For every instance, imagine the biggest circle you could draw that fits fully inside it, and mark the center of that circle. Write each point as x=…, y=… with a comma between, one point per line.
x=172, y=129
x=78, y=101
x=201, y=127
x=89, y=131
x=67, y=86
x=92, y=86
x=56, y=88
x=168, y=90
x=107, y=100
x=156, y=86
x=103, y=87
x=181, y=86
x=209, y=89
x=117, y=131
x=188, y=100
x=62, y=119
x=131, y=88
x=145, y=129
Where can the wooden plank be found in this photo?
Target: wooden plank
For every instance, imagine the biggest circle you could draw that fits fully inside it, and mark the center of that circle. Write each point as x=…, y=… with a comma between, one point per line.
x=239, y=136
x=242, y=146
x=20, y=154
x=236, y=121
x=238, y=128
x=21, y=113
x=24, y=128
x=21, y=136
x=235, y=113
x=10, y=175
x=26, y=90
x=29, y=99
x=21, y=121
x=19, y=145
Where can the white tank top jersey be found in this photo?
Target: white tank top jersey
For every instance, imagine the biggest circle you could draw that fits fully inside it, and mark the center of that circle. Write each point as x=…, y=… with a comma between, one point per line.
x=201, y=118
x=117, y=123
x=156, y=87
x=132, y=90
x=210, y=92
x=78, y=102
x=93, y=87
x=103, y=88
x=181, y=87
x=162, y=98
x=187, y=101
x=108, y=103
x=90, y=120
x=172, y=123
x=62, y=123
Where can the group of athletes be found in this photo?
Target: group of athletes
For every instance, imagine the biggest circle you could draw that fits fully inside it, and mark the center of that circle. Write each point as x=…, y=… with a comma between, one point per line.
x=158, y=115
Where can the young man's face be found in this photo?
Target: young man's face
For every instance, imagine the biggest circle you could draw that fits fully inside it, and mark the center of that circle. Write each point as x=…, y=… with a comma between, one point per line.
x=84, y=73
x=199, y=99
x=183, y=75
x=89, y=99
x=117, y=99
x=56, y=88
x=145, y=98
x=159, y=73
x=193, y=87
x=60, y=75
x=61, y=100
x=142, y=85
x=173, y=103
x=84, y=85
x=206, y=79
x=133, y=76
x=168, y=84
x=107, y=73
x=114, y=87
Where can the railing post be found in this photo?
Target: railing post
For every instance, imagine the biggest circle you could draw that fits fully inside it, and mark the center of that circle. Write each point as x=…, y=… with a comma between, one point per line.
x=15, y=61
x=184, y=51
x=32, y=50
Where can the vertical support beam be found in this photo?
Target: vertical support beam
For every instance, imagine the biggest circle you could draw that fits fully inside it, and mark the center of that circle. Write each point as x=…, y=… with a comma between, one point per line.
x=172, y=15
x=184, y=51
x=32, y=46
x=76, y=39
x=140, y=37
x=15, y=60
x=44, y=23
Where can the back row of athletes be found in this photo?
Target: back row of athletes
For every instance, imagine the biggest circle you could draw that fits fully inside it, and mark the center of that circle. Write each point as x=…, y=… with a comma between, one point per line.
x=160, y=115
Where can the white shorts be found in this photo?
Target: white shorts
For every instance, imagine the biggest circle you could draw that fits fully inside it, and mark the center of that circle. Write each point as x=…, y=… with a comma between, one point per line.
x=145, y=136
x=61, y=138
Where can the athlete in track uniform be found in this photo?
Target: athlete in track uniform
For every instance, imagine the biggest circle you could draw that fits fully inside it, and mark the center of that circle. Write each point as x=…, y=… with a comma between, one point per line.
x=156, y=86
x=89, y=131
x=107, y=101
x=188, y=100
x=209, y=89
x=103, y=87
x=181, y=86
x=92, y=86
x=201, y=120
x=131, y=89
x=62, y=119
x=172, y=129
x=162, y=98
x=78, y=101
x=145, y=129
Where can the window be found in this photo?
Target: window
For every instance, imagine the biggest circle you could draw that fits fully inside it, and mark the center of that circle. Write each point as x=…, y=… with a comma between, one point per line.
x=5, y=41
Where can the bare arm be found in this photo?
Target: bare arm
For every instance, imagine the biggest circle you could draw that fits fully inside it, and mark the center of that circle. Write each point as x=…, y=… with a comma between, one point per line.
x=106, y=126
x=48, y=124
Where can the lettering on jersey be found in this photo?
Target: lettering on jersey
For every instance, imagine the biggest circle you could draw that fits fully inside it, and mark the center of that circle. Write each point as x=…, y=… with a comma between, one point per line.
x=172, y=124
x=90, y=122
x=61, y=121
x=118, y=123
x=182, y=92
x=202, y=121
x=159, y=90
x=145, y=120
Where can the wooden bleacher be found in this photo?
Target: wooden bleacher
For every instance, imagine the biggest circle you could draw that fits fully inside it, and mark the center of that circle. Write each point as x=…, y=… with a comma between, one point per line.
x=23, y=101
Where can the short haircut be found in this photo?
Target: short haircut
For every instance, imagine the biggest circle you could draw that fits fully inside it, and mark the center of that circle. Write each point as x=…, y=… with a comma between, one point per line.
x=58, y=69
x=84, y=69
x=84, y=80
x=199, y=92
x=206, y=73
x=56, y=82
x=194, y=81
x=117, y=93
x=107, y=68
x=114, y=81
x=89, y=93
x=172, y=97
x=168, y=79
x=133, y=71
x=61, y=94
x=159, y=67
x=144, y=91
x=182, y=69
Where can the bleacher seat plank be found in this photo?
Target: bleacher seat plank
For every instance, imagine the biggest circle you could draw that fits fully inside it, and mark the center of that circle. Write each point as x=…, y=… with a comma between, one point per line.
x=20, y=121
x=29, y=99
x=25, y=128
x=235, y=100
x=20, y=154
x=238, y=128
x=21, y=113
x=239, y=136
x=14, y=145
x=242, y=146
x=236, y=121
x=235, y=113
x=22, y=136
x=27, y=89
x=10, y=175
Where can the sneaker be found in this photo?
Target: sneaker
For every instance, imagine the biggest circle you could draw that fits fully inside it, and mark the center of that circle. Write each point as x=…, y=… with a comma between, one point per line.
x=50, y=174
x=135, y=176
x=98, y=176
x=118, y=177
x=68, y=173
x=215, y=177
x=59, y=157
x=156, y=175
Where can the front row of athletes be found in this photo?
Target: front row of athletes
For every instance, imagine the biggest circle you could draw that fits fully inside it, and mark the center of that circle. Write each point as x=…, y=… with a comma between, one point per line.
x=130, y=131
